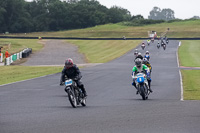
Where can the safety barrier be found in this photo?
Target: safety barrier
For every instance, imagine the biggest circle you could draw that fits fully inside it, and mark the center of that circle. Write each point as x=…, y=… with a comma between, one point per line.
x=23, y=54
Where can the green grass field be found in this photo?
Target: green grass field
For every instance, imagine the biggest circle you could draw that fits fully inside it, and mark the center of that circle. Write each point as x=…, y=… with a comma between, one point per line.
x=189, y=28
x=16, y=45
x=189, y=57
x=189, y=53
x=11, y=74
x=191, y=84
x=102, y=51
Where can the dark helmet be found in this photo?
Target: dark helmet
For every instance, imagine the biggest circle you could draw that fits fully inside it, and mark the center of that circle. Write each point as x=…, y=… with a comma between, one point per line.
x=68, y=63
x=138, y=62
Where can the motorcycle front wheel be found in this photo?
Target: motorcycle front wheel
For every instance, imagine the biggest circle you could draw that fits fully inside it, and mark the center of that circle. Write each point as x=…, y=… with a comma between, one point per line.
x=72, y=98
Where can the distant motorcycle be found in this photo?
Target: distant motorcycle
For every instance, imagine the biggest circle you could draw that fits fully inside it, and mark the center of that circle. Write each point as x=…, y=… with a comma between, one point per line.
x=142, y=85
x=75, y=94
x=164, y=46
x=143, y=46
x=152, y=40
x=158, y=45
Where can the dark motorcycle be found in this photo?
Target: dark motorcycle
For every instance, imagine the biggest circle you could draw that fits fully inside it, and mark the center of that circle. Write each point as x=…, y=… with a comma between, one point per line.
x=143, y=46
x=164, y=46
x=75, y=94
x=158, y=45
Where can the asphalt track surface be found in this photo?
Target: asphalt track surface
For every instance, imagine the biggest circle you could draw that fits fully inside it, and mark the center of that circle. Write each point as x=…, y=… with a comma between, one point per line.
x=41, y=105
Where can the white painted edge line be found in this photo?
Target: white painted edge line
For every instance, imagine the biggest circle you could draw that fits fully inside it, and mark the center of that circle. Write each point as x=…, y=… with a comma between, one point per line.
x=181, y=81
x=27, y=80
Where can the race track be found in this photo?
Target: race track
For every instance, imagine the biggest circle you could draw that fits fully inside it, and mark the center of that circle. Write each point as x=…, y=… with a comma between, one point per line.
x=41, y=105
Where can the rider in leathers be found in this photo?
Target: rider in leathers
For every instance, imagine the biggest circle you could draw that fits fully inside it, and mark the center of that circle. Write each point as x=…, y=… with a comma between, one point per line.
x=139, y=67
x=72, y=71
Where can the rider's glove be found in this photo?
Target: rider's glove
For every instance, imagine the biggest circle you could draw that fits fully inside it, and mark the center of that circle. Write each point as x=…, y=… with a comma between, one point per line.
x=61, y=83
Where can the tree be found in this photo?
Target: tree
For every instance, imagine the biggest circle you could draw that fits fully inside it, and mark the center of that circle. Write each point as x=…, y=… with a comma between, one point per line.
x=158, y=14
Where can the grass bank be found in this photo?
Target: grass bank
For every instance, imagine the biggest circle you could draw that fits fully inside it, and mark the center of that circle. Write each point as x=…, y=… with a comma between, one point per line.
x=187, y=28
x=16, y=45
x=11, y=74
x=102, y=51
x=189, y=57
x=191, y=84
x=189, y=53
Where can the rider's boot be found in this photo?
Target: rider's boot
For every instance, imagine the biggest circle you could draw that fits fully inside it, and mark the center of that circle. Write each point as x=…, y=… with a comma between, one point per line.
x=133, y=84
x=149, y=83
x=83, y=90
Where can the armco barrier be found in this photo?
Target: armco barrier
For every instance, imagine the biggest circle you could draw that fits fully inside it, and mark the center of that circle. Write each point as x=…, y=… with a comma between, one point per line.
x=17, y=56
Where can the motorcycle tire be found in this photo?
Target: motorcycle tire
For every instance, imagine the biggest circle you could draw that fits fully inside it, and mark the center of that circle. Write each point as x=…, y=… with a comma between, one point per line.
x=142, y=92
x=72, y=98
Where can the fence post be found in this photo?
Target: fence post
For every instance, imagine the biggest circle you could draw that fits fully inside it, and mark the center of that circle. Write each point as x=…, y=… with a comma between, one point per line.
x=1, y=59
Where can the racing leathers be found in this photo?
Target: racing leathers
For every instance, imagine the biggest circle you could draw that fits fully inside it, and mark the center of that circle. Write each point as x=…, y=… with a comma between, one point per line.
x=144, y=69
x=74, y=74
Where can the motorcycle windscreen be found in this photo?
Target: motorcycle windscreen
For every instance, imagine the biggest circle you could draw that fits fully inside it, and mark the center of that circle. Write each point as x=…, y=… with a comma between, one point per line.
x=140, y=79
x=68, y=82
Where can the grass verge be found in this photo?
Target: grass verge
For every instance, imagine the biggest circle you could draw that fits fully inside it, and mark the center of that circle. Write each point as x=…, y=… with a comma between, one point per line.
x=16, y=45
x=102, y=51
x=187, y=28
x=10, y=74
x=191, y=84
x=189, y=53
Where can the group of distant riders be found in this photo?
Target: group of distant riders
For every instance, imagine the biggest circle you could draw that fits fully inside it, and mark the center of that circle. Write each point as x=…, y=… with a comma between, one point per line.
x=161, y=43
x=142, y=64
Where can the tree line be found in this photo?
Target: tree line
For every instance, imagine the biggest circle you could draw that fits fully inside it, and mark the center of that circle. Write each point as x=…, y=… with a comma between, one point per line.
x=53, y=15
x=20, y=16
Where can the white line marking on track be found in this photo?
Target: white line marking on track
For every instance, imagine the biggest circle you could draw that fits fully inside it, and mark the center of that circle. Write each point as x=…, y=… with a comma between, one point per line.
x=181, y=81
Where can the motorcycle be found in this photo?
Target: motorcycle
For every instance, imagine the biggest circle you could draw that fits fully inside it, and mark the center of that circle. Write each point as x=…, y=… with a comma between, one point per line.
x=147, y=56
x=75, y=94
x=167, y=41
x=152, y=40
x=143, y=46
x=158, y=45
x=164, y=46
x=142, y=85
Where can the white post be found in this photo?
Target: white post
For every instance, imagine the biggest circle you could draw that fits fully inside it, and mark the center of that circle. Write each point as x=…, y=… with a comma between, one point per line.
x=17, y=56
x=20, y=55
x=8, y=61
x=179, y=43
x=1, y=59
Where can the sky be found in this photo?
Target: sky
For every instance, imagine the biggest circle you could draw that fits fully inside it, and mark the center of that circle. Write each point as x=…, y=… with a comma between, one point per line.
x=183, y=9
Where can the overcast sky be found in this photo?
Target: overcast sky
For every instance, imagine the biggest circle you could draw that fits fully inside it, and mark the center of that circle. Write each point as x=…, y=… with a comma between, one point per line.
x=183, y=8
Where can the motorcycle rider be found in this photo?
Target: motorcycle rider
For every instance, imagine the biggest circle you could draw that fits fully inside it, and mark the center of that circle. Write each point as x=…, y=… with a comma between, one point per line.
x=72, y=71
x=143, y=45
x=148, y=41
x=136, y=52
x=158, y=45
x=139, y=56
x=146, y=62
x=147, y=55
x=139, y=67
